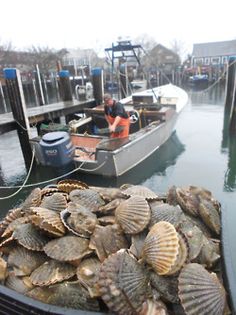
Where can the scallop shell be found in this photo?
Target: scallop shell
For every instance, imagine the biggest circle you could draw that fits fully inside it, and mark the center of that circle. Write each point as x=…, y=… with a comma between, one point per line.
x=141, y=191
x=21, y=285
x=210, y=215
x=48, y=220
x=25, y=260
x=106, y=220
x=110, y=207
x=67, y=185
x=29, y=237
x=107, y=240
x=133, y=215
x=72, y=295
x=153, y=307
x=160, y=248
x=3, y=269
x=194, y=237
x=51, y=272
x=68, y=248
x=87, y=274
x=79, y=220
x=137, y=242
x=108, y=193
x=201, y=292
x=183, y=254
x=166, y=286
x=165, y=212
x=33, y=200
x=123, y=283
x=188, y=200
x=56, y=202
x=11, y=216
x=88, y=198
x=48, y=191
x=40, y=293
x=13, y=225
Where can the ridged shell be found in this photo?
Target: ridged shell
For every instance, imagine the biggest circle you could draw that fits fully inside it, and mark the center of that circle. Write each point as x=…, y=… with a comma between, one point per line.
x=79, y=220
x=108, y=193
x=48, y=220
x=110, y=207
x=210, y=215
x=194, y=237
x=133, y=215
x=3, y=269
x=56, y=202
x=123, y=283
x=153, y=307
x=25, y=260
x=165, y=212
x=137, y=242
x=160, y=248
x=106, y=220
x=68, y=248
x=201, y=292
x=88, y=198
x=19, y=284
x=182, y=255
x=33, y=200
x=13, y=225
x=138, y=190
x=188, y=200
x=29, y=237
x=40, y=293
x=166, y=286
x=11, y=216
x=107, y=240
x=51, y=272
x=72, y=295
x=87, y=274
x=67, y=185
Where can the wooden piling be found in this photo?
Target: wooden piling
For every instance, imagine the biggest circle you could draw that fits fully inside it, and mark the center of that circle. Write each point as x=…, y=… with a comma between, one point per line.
x=98, y=85
x=123, y=80
x=39, y=86
x=18, y=107
x=65, y=85
x=230, y=93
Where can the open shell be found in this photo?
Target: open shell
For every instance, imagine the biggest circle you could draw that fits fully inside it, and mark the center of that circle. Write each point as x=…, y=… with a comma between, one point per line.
x=79, y=220
x=33, y=200
x=51, y=272
x=68, y=248
x=138, y=190
x=201, y=292
x=160, y=248
x=133, y=215
x=19, y=284
x=12, y=215
x=123, y=283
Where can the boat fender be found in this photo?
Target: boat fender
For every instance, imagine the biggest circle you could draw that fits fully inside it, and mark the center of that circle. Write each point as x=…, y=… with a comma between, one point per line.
x=133, y=116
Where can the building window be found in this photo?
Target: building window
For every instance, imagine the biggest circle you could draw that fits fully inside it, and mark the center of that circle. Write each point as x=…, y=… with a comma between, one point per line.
x=207, y=61
x=215, y=60
x=198, y=61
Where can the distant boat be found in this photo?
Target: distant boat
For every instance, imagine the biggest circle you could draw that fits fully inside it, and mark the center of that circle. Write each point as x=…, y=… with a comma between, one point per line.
x=155, y=111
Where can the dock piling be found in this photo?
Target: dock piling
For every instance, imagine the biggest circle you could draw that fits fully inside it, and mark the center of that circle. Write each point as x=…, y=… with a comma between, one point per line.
x=98, y=85
x=18, y=107
x=65, y=85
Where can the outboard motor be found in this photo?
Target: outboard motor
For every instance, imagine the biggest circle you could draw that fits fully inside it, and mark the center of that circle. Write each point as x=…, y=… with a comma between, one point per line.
x=57, y=149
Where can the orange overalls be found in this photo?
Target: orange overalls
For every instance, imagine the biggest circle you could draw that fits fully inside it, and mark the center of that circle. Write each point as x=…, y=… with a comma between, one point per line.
x=124, y=122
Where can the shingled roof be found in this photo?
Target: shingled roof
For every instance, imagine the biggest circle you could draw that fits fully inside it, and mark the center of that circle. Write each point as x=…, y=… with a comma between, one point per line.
x=226, y=48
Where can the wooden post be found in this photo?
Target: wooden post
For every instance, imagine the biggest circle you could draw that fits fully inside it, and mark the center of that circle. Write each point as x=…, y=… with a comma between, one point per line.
x=3, y=98
x=98, y=85
x=18, y=106
x=230, y=82
x=123, y=79
x=65, y=85
x=39, y=86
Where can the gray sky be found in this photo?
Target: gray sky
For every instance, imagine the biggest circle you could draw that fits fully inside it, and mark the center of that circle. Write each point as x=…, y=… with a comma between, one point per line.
x=98, y=23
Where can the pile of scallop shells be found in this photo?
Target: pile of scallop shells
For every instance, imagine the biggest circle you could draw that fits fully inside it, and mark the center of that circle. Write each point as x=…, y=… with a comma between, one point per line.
x=119, y=250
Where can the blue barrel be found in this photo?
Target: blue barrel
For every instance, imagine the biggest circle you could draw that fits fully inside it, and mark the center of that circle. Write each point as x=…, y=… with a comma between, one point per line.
x=57, y=149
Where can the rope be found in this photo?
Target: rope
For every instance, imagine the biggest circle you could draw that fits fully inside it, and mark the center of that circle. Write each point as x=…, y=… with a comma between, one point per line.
x=44, y=182
x=94, y=169
x=26, y=179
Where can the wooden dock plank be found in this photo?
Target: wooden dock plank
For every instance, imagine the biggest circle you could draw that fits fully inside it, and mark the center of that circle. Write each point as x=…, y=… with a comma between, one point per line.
x=45, y=112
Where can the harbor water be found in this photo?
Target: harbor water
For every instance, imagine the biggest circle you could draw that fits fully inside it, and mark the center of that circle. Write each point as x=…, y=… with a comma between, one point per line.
x=200, y=152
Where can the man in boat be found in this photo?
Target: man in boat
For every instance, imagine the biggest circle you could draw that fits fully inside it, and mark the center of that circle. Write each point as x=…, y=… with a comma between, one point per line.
x=116, y=116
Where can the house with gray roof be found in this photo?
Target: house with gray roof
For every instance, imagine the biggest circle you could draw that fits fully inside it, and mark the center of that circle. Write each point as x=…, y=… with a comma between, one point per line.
x=214, y=54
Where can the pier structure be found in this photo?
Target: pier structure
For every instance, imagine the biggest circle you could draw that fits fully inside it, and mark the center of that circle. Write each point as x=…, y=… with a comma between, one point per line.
x=22, y=118
x=230, y=94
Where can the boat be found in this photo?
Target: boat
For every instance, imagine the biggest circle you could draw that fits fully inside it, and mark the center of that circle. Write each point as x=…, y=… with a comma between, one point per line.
x=198, y=79
x=153, y=115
